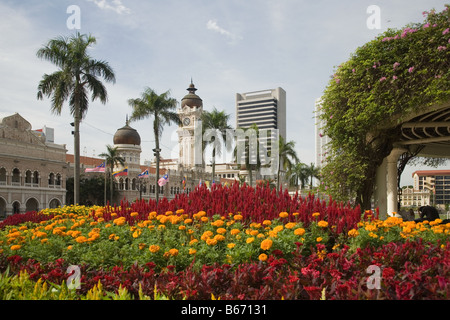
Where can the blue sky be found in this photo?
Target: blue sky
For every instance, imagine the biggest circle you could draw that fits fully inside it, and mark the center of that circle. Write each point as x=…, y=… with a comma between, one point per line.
x=226, y=46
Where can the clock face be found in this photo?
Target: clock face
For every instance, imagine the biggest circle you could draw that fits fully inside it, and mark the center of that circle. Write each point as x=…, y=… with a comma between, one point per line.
x=186, y=121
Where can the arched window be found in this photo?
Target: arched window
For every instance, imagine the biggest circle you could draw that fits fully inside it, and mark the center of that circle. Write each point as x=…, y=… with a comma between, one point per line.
x=55, y=203
x=51, y=180
x=133, y=184
x=127, y=184
x=58, y=180
x=2, y=176
x=36, y=179
x=28, y=177
x=16, y=177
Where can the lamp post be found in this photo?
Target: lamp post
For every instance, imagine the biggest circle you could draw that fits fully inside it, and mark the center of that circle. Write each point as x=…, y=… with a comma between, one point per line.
x=156, y=153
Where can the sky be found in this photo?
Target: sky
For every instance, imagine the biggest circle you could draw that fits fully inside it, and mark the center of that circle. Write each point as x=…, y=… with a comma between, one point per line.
x=224, y=46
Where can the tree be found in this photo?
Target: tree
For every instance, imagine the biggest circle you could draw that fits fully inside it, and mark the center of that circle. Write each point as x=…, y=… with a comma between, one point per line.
x=312, y=172
x=160, y=107
x=77, y=75
x=112, y=159
x=248, y=150
x=286, y=155
x=214, y=124
x=387, y=79
x=298, y=173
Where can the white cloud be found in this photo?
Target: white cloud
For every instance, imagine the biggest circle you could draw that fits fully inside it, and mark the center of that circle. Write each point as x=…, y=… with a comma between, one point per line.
x=212, y=25
x=115, y=5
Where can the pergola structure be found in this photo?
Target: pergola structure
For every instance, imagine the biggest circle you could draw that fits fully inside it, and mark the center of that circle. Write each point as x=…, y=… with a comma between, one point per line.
x=427, y=130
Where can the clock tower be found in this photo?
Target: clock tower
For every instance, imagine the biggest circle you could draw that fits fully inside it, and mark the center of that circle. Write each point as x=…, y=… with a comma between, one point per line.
x=189, y=140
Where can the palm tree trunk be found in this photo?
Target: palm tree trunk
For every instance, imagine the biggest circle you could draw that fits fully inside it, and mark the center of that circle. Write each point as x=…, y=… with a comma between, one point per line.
x=76, y=184
x=213, y=165
x=155, y=127
x=111, y=185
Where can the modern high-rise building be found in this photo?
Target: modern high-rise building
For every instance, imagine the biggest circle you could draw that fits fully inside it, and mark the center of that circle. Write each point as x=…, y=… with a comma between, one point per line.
x=266, y=109
x=321, y=139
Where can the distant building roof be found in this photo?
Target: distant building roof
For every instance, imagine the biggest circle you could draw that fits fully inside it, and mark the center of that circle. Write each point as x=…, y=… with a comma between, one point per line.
x=431, y=173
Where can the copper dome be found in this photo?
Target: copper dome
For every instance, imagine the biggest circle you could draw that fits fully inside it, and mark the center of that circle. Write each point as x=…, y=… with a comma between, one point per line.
x=127, y=135
x=191, y=99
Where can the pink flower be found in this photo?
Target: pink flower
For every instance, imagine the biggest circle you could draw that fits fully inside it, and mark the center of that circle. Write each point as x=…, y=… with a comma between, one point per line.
x=382, y=79
x=446, y=31
x=394, y=77
x=426, y=26
x=411, y=69
x=440, y=48
x=353, y=70
x=396, y=65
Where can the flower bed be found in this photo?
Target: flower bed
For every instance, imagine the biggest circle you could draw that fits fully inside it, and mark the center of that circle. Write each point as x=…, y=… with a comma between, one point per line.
x=303, y=249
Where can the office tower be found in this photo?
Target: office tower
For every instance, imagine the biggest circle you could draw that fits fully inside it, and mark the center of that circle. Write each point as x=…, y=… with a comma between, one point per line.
x=321, y=139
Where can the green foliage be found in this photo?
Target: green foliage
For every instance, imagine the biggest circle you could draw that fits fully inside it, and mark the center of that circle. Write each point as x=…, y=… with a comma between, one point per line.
x=399, y=72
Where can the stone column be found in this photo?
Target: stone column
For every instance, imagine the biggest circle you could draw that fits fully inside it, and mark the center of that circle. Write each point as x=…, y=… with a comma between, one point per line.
x=380, y=189
x=391, y=180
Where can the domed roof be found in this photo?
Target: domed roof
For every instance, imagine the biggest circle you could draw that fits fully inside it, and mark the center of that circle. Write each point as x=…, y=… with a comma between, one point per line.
x=127, y=135
x=191, y=99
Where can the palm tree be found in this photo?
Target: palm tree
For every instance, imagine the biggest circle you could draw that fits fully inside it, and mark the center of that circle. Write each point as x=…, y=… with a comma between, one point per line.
x=112, y=159
x=249, y=166
x=286, y=155
x=160, y=107
x=312, y=172
x=215, y=124
x=78, y=74
x=299, y=173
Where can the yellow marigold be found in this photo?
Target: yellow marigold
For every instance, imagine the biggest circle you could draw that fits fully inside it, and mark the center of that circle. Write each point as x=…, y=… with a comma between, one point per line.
x=153, y=248
x=235, y=231
x=206, y=235
x=353, y=233
x=237, y=217
x=316, y=214
x=373, y=235
x=266, y=244
x=295, y=214
x=182, y=228
x=231, y=245
x=173, y=252
x=152, y=215
x=250, y=240
x=69, y=247
x=81, y=239
x=278, y=228
x=211, y=242
x=299, y=231
x=44, y=240
x=217, y=223
x=204, y=219
x=108, y=225
x=262, y=257
x=119, y=221
x=219, y=237
x=221, y=230
x=267, y=222
x=319, y=239
x=142, y=246
x=253, y=232
x=322, y=224
x=193, y=241
x=260, y=235
x=290, y=225
x=134, y=214
x=15, y=247
x=169, y=213
x=187, y=221
x=192, y=251
x=370, y=227
x=161, y=227
x=179, y=211
x=284, y=214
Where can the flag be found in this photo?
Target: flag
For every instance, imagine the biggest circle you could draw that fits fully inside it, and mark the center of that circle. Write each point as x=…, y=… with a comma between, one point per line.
x=123, y=172
x=144, y=174
x=163, y=180
x=100, y=168
x=184, y=182
x=200, y=182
